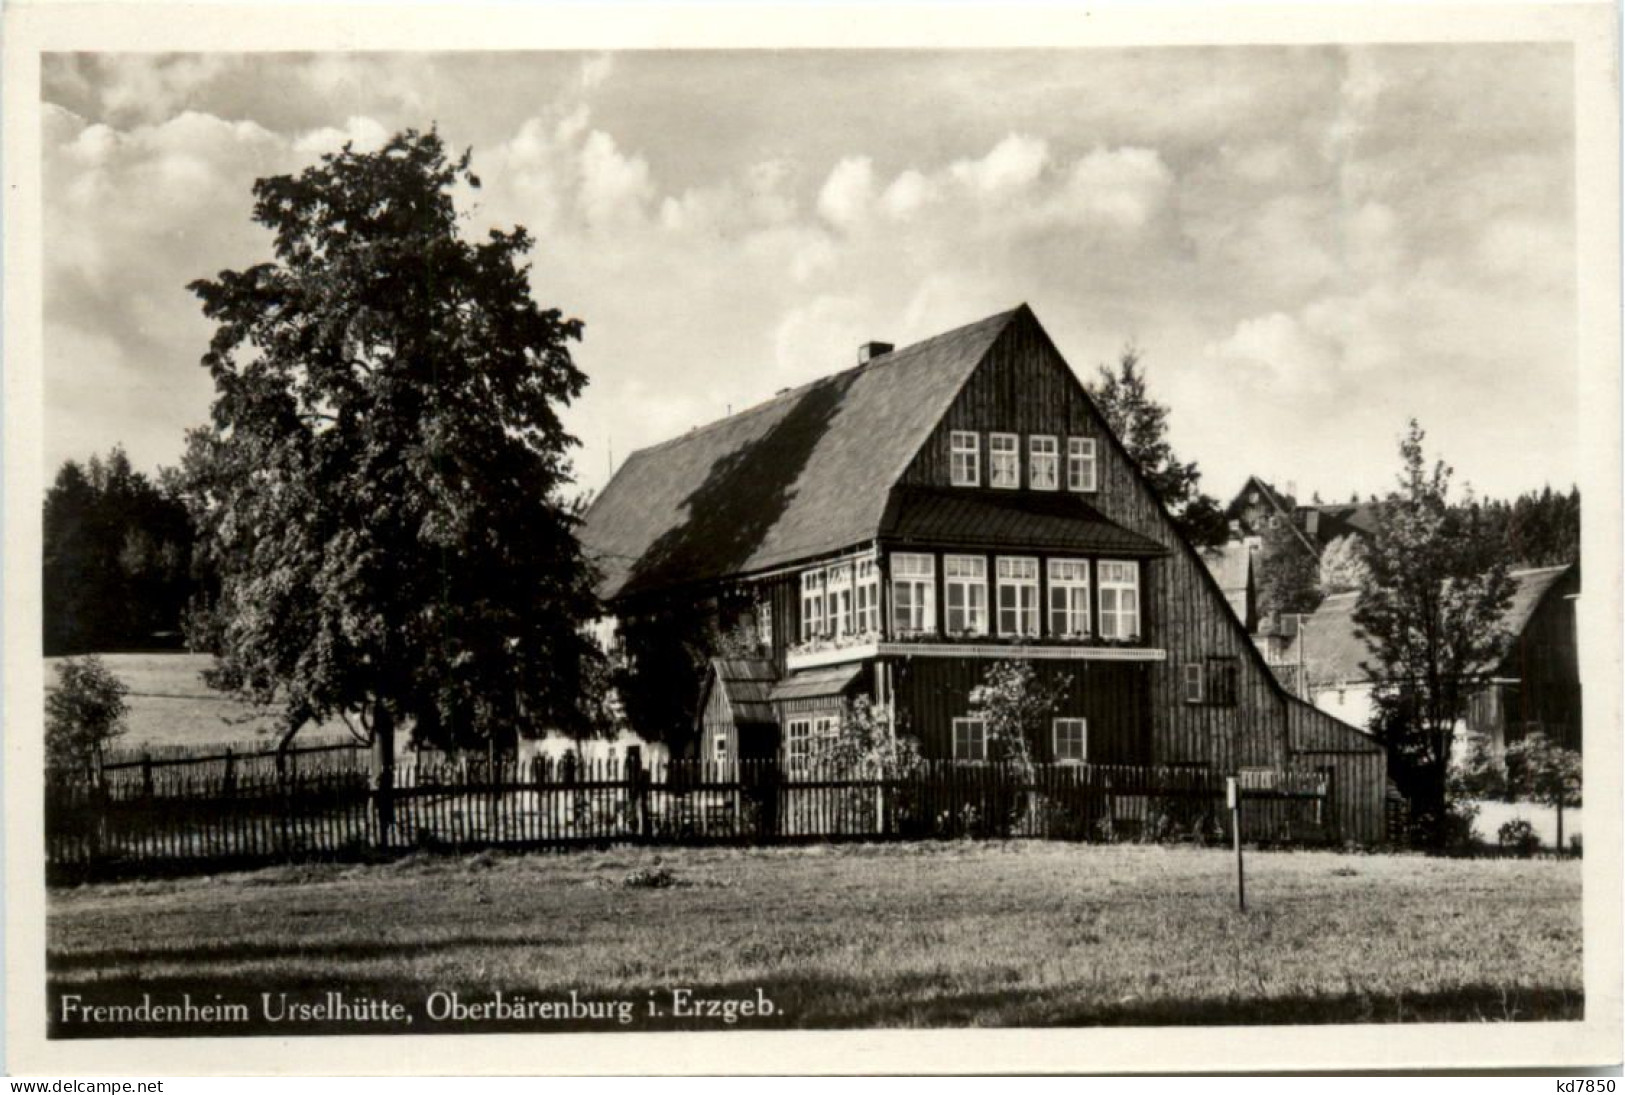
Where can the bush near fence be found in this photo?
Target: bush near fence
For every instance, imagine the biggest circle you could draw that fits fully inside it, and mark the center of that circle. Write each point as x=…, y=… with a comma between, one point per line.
x=171, y=816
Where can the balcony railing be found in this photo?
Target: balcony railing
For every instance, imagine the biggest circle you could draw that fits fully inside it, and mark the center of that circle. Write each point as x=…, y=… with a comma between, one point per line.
x=841, y=650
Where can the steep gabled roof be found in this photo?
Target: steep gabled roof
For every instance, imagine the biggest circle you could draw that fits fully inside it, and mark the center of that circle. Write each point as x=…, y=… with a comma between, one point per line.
x=1281, y=504
x=1333, y=652
x=801, y=475
x=746, y=684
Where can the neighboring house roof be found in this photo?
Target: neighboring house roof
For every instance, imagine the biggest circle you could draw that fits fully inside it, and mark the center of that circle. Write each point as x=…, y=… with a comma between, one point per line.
x=1333, y=521
x=1332, y=651
x=803, y=474
x=989, y=518
x=1231, y=564
x=1282, y=505
x=747, y=684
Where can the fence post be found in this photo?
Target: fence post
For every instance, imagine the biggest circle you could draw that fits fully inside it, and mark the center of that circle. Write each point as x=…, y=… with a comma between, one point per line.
x=1233, y=794
x=636, y=791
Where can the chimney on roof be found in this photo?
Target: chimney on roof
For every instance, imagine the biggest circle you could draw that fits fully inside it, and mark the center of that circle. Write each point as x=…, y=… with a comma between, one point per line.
x=871, y=350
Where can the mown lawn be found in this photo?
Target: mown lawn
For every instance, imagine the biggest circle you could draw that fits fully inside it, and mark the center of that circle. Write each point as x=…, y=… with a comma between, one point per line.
x=1030, y=934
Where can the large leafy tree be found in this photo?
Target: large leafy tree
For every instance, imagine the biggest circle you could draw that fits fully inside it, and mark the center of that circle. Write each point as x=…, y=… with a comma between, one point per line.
x=1430, y=612
x=382, y=484
x=1141, y=424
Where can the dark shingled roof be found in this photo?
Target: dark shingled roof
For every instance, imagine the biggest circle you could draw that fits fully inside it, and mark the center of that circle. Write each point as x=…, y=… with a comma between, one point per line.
x=817, y=682
x=746, y=683
x=1333, y=652
x=800, y=475
x=990, y=518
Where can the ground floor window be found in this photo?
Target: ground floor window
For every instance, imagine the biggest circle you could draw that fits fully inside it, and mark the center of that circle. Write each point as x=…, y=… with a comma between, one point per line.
x=970, y=739
x=806, y=735
x=1071, y=741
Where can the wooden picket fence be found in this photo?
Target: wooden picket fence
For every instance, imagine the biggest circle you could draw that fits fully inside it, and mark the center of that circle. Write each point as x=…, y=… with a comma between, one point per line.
x=209, y=817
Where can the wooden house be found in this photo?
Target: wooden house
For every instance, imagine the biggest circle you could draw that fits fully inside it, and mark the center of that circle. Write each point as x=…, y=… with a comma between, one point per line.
x=893, y=530
x=1534, y=685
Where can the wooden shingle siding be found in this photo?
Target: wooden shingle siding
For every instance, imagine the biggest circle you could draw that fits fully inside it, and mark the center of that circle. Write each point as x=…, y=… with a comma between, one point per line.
x=1025, y=387
x=1111, y=695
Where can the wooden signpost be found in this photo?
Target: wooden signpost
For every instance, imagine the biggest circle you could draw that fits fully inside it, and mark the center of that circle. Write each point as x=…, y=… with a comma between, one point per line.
x=1232, y=787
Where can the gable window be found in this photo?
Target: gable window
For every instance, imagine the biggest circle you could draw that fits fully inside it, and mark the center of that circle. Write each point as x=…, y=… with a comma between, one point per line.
x=1071, y=741
x=1191, y=682
x=838, y=599
x=965, y=591
x=1119, y=600
x=965, y=458
x=913, y=593
x=1081, y=472
x=1068, y=598
x=867, y=597
x=1043, y=459
x=1003, y=460
x=1018, y=596
x=812, y=605
x=721, y=749
x=1222, y=675
x=970, y=740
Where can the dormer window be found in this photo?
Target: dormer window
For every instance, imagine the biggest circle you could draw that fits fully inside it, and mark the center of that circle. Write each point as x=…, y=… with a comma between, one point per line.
x=1080, y=465
x=965, y=458
x=1004, y=460
x=1043, y=460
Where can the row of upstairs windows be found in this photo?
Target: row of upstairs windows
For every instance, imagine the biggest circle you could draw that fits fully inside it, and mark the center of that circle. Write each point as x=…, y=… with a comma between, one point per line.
x=1004, y=461
x=1014, y=608
x=841, y=599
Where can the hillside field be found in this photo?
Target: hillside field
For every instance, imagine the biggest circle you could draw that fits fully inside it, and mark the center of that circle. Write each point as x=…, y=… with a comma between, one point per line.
x=1016, y=934
x=171, y=706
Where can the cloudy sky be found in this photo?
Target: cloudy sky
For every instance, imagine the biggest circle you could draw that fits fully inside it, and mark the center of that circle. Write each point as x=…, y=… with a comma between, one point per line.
x=1309, y=245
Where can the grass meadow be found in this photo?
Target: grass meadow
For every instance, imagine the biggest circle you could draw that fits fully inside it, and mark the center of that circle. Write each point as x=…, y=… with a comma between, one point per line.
x=171, y=706
x=1017, y=934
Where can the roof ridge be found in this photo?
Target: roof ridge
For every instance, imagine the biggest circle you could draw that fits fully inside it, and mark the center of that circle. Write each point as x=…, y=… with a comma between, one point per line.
x=889, y=358
x=1523, y=572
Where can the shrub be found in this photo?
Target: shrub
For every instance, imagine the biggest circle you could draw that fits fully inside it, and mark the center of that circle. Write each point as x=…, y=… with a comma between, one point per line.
x=1518, y=836
x=84, y=714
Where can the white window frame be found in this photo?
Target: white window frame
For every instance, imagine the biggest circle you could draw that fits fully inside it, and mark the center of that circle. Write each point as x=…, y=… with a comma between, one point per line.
x=1082, y=727
x=798, y=731
x=1004, y=461
x=866, y=597
x=918, y=573
x=966, y=575
x=812, y=605
x=1122, y=620
x=1024, y=586
x=1082, y=467
x=838, y=600
x=976, y=741
x=1043, y=462
x=719, y=749
x=1071, y=590
x=1192, y=674
x=965, y=458
x=764, y=623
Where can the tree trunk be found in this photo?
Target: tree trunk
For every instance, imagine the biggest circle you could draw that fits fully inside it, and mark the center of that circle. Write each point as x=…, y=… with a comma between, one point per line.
x=383, y=770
